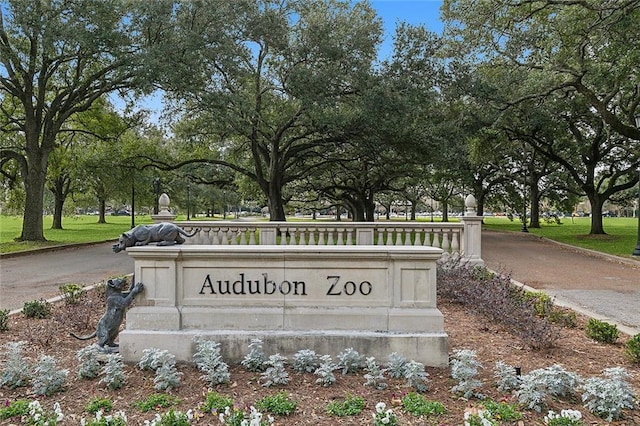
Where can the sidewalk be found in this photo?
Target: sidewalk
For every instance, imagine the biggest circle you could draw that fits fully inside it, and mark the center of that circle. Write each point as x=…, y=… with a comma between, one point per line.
x=600, y=286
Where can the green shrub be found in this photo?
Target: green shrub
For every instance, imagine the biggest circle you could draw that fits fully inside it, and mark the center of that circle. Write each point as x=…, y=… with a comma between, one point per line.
x=278, y=404
x=71, y=293
x=419, y=405
x=632, y=349
x=349, y=406
x=602, y=331
x=39, y=309
x=17, y=408
x=563, y=317
x=503, y=411
x=541, y=302
x=99, y=404
x=4, y=319
x=216, y=403
x=155, y=401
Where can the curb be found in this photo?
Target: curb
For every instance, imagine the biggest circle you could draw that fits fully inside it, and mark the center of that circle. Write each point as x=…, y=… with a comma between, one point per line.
x=579, y=309
x=50, y=248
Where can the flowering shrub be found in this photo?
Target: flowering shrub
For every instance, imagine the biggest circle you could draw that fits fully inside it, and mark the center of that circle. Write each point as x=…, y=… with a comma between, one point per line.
x=237, y=417
x=382, y=416
x=478, y=417
x=565, y=418
x=39, y=417
x=117, y=419
x=171, y=418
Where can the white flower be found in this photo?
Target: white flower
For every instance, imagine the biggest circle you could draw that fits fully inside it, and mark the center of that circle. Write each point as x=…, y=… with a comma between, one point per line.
x=380, y=406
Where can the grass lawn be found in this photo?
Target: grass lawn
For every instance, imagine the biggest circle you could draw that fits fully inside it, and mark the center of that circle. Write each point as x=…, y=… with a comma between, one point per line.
x=79, y=229
x=620, y=240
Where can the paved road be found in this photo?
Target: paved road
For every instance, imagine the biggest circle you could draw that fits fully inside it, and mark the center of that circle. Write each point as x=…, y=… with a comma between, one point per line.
x=34, y=276
x=604, y=286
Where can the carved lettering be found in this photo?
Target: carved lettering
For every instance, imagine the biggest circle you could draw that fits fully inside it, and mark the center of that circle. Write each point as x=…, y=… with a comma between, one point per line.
x=207, y=283
x=333, y=291
x=243, y=286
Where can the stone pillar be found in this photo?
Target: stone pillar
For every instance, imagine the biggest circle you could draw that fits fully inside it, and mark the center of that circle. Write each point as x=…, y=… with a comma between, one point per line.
x=472, y=235
x=164, y=215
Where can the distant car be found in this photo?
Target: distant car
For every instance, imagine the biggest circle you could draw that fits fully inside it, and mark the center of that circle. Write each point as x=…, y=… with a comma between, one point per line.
x=121, y=213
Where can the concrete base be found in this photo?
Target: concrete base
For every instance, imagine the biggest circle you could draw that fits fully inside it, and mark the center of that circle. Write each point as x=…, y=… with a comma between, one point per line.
x=431, y=349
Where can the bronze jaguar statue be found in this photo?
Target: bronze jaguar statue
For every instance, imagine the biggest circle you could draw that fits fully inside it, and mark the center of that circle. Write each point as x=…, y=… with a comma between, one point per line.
x=108, y=326
x=165, y=234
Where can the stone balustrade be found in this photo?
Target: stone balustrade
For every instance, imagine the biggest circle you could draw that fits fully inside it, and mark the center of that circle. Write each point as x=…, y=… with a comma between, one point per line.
x=454, y=238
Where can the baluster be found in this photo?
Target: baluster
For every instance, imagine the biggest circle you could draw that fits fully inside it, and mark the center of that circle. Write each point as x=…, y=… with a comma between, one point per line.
x=455, y=242
x=350, y=237
x=283, y=236
x=407, y=237
x=303, y=240
x=294, y=236
x=417, y=241
x=252, y=237
x=398, y=237
x=339, y=241
x=312, y=237
x=427, y=238
x=232, y=235
x=243, y=236
x=213, y=236
x=321, y=237
x=445, y=241
x=390, y=236
x=225, y=236
x=330, y=237
x=436, y=238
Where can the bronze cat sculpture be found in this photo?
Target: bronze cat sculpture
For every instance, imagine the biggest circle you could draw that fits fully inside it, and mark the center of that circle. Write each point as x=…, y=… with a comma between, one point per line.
x=108, y=326
x=165, y=234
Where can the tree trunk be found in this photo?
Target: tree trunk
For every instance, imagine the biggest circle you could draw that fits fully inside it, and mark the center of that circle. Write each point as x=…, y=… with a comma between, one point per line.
x=534, y=200
x=276, y=206
x=34, y=182
x=58, y=203
x=102, y=210
x=445, y=210
x=60, y=190
x=597, y=227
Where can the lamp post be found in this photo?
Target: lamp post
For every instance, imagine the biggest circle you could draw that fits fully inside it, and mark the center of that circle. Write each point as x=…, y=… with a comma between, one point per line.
x=636, y=251
x=524, y=199
x=188, y=201
x=156, y=192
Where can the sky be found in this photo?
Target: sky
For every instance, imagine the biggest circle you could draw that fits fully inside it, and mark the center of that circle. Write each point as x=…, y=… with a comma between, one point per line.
x=414, y=12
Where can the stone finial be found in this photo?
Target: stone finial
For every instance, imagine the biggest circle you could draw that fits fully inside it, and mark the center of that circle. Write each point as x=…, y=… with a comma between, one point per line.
x=471, y=206
x=164, y=214
x=163, y=203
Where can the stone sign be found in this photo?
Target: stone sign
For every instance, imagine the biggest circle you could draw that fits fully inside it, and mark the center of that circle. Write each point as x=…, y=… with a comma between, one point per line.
x=375, y=299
